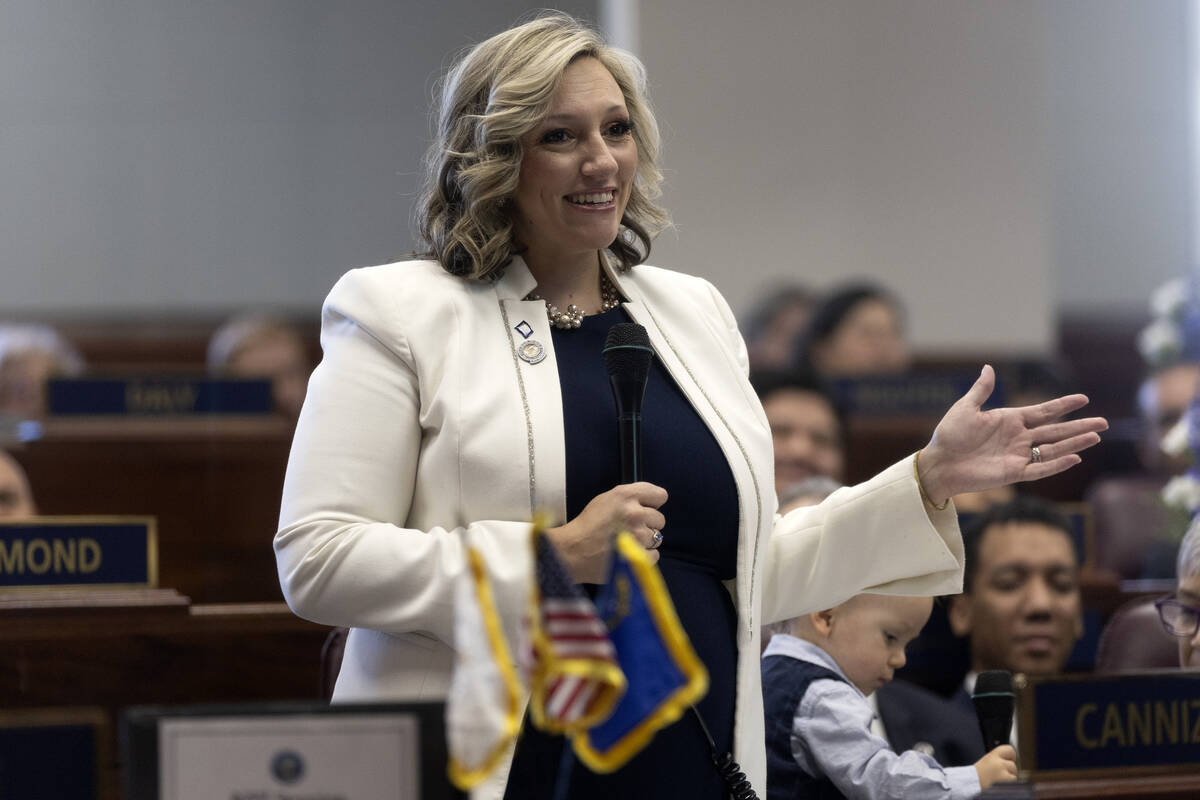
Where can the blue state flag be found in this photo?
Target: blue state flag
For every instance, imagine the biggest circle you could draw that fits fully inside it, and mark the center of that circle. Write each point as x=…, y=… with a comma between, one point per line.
x=664, y=676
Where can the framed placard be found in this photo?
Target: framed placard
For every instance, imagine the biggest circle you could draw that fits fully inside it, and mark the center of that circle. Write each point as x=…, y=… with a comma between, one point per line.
x=141, y=396
x=67, y=552
x=272, y=751
x=1089, y=725
x=53, y=752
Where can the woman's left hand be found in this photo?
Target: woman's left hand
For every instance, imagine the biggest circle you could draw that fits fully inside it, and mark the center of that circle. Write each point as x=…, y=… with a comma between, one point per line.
x=973, y=450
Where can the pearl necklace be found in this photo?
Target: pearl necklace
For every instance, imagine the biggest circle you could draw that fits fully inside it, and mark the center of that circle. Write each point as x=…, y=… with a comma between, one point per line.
x=572, y=318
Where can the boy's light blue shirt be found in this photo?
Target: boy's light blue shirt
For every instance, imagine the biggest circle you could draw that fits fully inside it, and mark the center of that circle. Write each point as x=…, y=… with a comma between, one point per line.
x=831, y=737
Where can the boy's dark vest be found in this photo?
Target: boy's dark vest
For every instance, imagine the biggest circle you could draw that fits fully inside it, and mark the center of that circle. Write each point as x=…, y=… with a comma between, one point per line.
x=785, y=680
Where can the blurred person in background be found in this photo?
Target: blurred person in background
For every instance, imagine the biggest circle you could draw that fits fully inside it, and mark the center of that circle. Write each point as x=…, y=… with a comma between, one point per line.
x=1163, y=399
x=1140, y=516
x=857, y=330
x=806, y=426
x=1180, y=613
x=16, y=496
x=774, y=323
x=1021, y=606
x=30, y=355
x=263, y=346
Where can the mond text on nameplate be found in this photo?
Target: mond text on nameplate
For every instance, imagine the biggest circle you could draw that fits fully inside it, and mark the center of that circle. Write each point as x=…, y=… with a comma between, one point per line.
x=62, y=552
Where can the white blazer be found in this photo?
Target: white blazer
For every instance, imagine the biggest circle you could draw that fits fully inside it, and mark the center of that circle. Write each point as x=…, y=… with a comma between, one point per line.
x=421, y=421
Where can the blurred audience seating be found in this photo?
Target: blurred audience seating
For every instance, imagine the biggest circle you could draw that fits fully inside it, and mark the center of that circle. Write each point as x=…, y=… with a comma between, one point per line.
x=1129, y=517
x=213, y=484
x=151, y=342
x=1134, y=639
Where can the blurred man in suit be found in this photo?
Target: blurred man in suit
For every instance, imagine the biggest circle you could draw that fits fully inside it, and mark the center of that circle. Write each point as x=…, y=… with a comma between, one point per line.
x=1021, y=607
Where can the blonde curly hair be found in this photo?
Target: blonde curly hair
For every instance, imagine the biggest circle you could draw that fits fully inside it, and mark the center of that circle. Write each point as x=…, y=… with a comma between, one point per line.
x=496, y=93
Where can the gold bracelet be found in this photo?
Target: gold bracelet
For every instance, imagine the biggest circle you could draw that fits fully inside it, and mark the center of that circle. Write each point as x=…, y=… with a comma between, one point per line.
x=921, y=489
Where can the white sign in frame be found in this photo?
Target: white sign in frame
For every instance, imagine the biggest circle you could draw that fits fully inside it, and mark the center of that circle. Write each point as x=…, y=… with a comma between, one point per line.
x=290, y=756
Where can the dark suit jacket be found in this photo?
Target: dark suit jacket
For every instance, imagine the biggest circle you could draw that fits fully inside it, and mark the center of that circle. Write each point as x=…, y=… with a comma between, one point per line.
x=917, y=719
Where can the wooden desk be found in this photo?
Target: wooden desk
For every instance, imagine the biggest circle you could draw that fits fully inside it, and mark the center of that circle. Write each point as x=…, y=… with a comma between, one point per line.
x=1156, y=787
x=112, y=653
x=213, y=484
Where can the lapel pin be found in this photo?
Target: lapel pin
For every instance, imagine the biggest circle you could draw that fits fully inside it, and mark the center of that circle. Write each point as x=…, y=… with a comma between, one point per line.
x=524, y=328
x=531, y=351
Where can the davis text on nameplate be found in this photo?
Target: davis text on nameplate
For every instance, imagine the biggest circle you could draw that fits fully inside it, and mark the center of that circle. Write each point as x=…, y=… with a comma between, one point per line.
x=60, y=552
x=1144, y=722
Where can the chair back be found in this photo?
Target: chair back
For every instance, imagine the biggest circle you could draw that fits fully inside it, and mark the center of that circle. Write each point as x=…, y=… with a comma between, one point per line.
x=1134, y=639
x=1128, y=516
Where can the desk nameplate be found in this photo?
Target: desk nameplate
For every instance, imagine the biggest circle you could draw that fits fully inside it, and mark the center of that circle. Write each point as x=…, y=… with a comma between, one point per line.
x=158, y=395
x=1084, y=726
x=60, y=552
x=918, y=395
x=53, y=752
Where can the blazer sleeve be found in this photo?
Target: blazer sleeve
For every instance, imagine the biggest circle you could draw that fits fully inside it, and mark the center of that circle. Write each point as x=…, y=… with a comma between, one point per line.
x=874, y=537
x=342, y=549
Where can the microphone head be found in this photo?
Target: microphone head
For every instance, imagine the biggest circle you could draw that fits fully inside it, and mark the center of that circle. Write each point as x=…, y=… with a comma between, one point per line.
x=993, y=681
x=627, y=351
x=993, y=701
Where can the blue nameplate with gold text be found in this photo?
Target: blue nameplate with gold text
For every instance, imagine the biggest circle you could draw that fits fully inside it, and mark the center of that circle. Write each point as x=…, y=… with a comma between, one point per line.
x=157, y=395
x=1135, y=723
x=915, y=395
x=54, y=752
x=61, y=552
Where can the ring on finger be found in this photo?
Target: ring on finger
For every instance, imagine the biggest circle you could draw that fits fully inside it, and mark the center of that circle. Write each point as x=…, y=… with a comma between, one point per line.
x=656, y=538
x=1035, y=455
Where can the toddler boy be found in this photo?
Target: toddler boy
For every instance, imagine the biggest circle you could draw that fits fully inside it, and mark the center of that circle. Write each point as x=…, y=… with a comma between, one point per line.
x=816, y=679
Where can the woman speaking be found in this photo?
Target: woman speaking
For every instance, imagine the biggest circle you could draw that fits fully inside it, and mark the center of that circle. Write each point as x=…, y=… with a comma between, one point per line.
x=466, y=391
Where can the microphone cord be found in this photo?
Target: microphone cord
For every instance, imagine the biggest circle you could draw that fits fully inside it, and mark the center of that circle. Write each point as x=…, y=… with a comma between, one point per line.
x=735, y=780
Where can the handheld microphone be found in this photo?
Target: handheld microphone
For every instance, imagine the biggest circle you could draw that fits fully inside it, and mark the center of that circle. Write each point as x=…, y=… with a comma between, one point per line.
x=627, y=356
x=993, y=699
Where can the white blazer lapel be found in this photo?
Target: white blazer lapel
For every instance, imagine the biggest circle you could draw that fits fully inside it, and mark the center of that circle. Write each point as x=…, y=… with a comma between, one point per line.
x=533, y=358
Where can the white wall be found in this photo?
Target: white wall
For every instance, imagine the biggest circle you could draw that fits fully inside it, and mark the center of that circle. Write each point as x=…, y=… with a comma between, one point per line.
x=950, y=149
x=214, y=154
x=1120, y=80
x=992, y=159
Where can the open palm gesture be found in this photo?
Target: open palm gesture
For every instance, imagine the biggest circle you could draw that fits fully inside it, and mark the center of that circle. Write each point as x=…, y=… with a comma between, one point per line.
x=973, y=450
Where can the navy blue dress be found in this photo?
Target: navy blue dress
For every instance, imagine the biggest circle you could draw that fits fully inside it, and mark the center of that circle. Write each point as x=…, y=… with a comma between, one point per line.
x=698, y=552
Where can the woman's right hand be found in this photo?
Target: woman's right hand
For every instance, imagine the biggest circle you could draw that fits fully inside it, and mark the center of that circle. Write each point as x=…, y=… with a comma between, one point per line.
x=585, y=543
x=998, y=766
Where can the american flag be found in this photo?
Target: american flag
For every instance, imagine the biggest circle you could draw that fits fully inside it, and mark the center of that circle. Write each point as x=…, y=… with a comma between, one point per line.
x=576, y=679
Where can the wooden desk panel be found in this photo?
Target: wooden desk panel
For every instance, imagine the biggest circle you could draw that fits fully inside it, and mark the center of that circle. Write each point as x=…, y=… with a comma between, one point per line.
x=214, y=486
